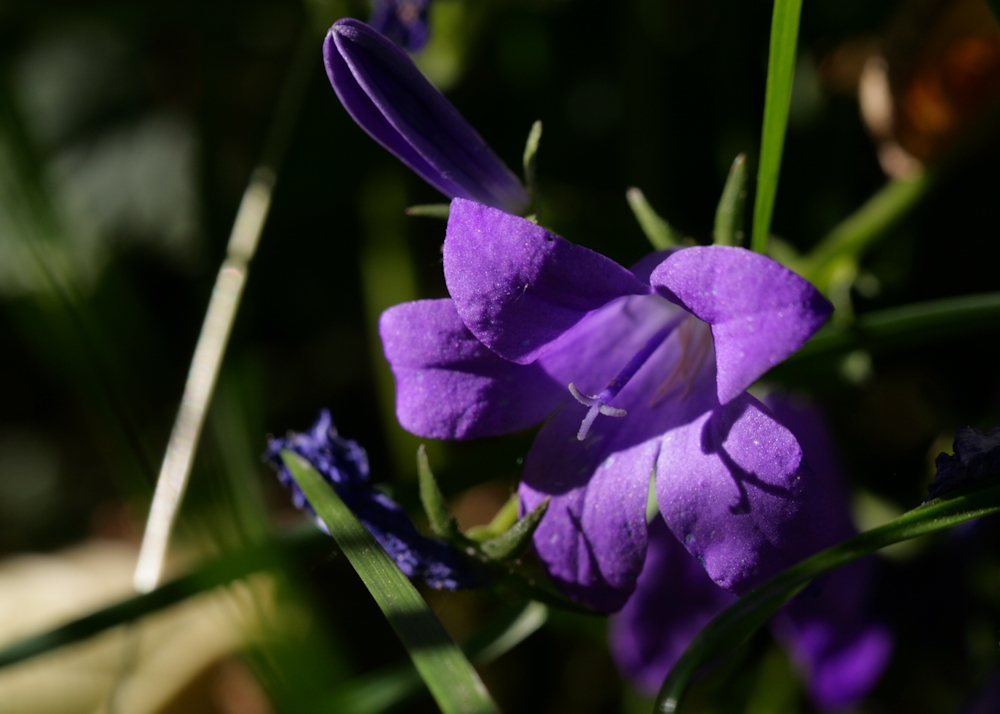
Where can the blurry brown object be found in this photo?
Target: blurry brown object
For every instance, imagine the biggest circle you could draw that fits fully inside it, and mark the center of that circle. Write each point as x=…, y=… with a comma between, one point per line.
x=938, y=72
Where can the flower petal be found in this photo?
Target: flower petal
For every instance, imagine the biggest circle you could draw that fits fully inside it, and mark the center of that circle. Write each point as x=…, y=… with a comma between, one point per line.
x=519, y=287
x=449, y=386
x=735, y=490
x=389, y=98
x=673, y=601
x=593, y=536
x=402, y=21
x=841, y=651
x=760, y=311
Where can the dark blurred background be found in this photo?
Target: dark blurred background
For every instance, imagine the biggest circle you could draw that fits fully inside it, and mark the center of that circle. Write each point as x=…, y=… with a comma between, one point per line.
x=128, y=132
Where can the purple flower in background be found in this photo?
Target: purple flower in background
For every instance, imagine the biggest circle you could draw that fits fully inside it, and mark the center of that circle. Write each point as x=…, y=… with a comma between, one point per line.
x=390, y=99
x=402, y=21
x=841, y=652
x=641, y=370
x=344, y=465
x=977, y=455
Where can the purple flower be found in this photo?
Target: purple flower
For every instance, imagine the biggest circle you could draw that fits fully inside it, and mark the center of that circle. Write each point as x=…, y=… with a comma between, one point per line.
x=977, y=455
x=402, y=21
x=344, y=465
x=390, y=99
x=641, y=370
x=839, y=649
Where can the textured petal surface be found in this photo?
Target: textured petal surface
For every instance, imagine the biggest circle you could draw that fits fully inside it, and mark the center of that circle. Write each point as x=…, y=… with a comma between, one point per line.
x=449, y=386
x=673, y=601
x=389, y=98
x=735, y=490
x=593, y=537
x=519, y=287
x=760, y=311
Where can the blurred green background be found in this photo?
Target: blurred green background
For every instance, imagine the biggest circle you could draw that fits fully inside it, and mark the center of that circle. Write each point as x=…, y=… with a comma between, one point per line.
x=128, y=132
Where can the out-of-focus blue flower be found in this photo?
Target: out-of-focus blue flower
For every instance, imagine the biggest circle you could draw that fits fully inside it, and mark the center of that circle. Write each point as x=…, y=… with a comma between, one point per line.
x=831, y=639
x=389, y=98
x=402, y=21
x=344, y=464
x=536, y=325
x=977, y=455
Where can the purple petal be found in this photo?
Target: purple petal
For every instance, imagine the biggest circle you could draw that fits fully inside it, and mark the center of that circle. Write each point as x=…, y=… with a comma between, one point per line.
x=402, y=21
x=449, y=386
x=840, y=650
x=593, y=536
x=389, y=98
x=673, y=601
x=760, y=311
x=734, y=489
x=519, y=287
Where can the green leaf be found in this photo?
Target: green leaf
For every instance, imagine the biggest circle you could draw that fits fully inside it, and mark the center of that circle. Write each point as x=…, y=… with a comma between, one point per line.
x=657, y=230
x=449, y=676
x=729, y=214
x=740, y=620
x=430, y=210
x=516, y=540
x=442, y=522
x=530, y=162
x=393, y=685
x=777, y=99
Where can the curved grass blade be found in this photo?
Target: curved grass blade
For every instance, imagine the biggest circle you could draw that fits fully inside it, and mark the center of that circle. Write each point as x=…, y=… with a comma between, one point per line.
x=659, y=233
x=740, y=620
x=777, y=99
x=222, y=571
x=449, y=676
x=907, y=325
x=393, y=686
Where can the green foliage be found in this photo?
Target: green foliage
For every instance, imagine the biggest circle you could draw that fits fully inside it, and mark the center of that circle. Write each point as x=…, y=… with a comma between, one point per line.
x=778, y=98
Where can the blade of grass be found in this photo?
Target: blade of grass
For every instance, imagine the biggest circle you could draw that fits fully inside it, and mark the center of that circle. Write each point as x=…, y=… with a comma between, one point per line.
x=777, y=99
x=393, y=686
x=218, y=323
x=227, y=568
x=449, y=676
x=740, y=620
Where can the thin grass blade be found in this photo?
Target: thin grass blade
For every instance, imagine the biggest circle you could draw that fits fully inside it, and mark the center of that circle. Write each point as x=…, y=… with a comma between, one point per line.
x=448, y=674
x=777, y=99
x=741, y=619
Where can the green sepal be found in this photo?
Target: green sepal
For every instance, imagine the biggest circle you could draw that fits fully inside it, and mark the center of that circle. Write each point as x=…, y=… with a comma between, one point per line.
x=729, y=215
x=430, y=210
x=502, y=521
x=657, y=230
x=517, y=539
x=441, y=521
x=530, y=162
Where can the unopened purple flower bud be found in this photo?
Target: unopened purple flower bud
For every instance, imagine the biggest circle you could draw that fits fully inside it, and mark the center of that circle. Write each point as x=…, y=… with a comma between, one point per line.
x=402, y=21
x=390, y=99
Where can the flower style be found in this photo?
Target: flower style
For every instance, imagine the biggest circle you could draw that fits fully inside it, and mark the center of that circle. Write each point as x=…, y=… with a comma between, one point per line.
x=344, y=464
x=389, y=98
x=402, y=21
x=659, y=356
x=831, y=639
